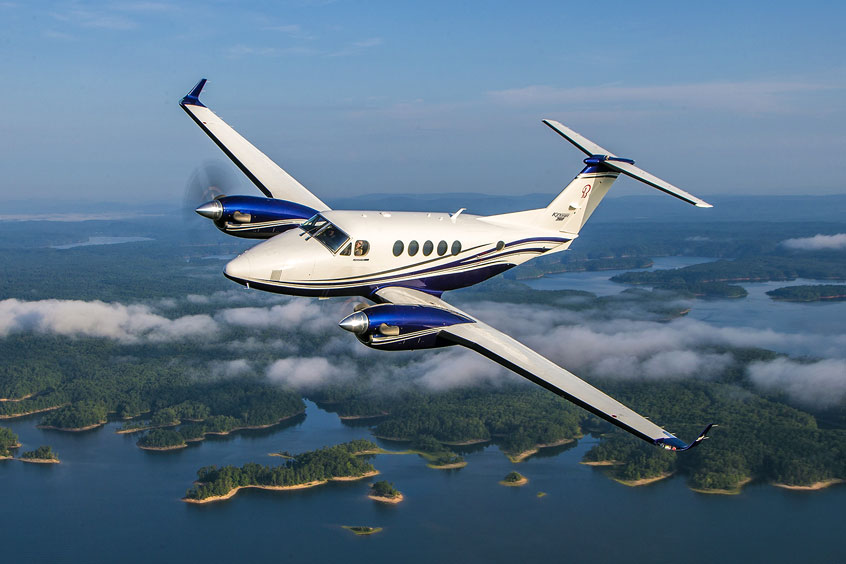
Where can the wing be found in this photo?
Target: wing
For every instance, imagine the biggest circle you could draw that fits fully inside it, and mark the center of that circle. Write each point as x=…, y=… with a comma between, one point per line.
x=263, y=172
x=515, y=356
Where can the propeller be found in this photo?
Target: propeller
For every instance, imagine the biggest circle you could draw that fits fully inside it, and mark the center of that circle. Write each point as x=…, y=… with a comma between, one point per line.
x=208, y=182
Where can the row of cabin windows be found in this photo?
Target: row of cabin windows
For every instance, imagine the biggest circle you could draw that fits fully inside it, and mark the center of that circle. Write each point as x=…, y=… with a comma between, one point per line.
x=361, y=248
x=428, y=247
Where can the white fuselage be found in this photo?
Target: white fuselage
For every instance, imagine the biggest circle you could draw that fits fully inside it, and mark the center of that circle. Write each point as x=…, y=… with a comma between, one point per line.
x=433, y=252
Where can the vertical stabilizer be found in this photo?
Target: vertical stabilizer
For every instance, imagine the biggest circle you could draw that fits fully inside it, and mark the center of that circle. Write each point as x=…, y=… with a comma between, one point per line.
x=570, y=210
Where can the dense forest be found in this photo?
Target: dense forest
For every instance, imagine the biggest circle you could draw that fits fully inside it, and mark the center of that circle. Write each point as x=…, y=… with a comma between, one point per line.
x=339, y=461
x=161, y=439
x=170, y=388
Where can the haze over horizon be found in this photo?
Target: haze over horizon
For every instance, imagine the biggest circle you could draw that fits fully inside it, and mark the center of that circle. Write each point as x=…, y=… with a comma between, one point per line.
x=361, y=98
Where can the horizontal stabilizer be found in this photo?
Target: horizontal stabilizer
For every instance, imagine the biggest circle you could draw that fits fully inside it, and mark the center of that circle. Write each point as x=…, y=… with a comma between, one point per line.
x=627, y=167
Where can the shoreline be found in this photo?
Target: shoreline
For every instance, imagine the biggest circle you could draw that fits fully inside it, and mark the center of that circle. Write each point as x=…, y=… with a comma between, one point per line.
x=251, y=427
x=644, y=481
x=139, y=429
x=354, y=417
x=816, y=486
x=734, y=491
x=451, y=466
x=72, y=429
x=166, y=448
x=231, y=493
x=521, y=482
x=381, y=499
x=18, y=399
x=40, y=460
x=33, y=412
x=602, y=463
x=521, y=456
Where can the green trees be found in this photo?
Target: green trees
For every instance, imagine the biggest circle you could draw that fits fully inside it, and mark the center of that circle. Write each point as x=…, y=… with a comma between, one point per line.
x=41, y=453
x=78, y=415
x=809, y=293
x=513, y=477
x=314, y=466
x=162, y=439
x=8, y=440
x=384, y=489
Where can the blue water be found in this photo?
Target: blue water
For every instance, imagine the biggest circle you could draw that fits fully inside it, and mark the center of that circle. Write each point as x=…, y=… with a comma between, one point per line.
x=109, y=501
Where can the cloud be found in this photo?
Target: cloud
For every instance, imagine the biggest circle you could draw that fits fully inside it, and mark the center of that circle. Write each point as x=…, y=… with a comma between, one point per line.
x=818, y=384
x=817, y=243
x=302, y=373
x=298, y=314
x=126, y=323
x=743, y=96
x=231, y=368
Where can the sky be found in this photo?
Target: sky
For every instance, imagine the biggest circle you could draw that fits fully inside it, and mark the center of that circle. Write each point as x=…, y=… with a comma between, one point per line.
x=425, y=97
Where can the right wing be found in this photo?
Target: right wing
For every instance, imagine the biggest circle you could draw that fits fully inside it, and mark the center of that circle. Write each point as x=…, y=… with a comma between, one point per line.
x=263, y=172
x=519, y=358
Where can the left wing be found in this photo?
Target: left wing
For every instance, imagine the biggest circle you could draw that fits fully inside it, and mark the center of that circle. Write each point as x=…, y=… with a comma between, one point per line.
x=268, y=177
x=515, y=356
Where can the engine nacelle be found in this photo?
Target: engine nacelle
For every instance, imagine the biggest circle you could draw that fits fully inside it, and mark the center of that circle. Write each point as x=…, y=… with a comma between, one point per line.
x=402, y=327
x=253, y=217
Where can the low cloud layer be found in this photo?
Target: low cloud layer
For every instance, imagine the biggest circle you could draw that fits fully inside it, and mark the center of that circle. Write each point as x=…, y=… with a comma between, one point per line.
x=817, y=384
x=817, y=243
x=125, y=323
x=302, y=373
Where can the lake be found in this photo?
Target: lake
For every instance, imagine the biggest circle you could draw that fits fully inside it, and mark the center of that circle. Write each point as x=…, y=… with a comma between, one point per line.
x=111, y=502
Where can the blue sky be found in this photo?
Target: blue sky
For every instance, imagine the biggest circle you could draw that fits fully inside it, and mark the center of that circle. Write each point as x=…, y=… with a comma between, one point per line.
x=362, y=97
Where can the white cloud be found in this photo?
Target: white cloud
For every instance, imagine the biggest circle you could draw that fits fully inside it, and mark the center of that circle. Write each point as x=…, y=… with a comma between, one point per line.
x=300, y=314
x=818, y=384
x=231, y=368
x=817, y=243
x=302, y=373
x=127, y=323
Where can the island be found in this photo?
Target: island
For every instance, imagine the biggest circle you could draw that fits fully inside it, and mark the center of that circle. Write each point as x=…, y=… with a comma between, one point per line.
x=810, y=293
x=162, y=439
x=362, y=530
x=337, y=463
x=41, y=455
x=385, y=492
x=76, y=417
x=8, y=441
x=514, y=479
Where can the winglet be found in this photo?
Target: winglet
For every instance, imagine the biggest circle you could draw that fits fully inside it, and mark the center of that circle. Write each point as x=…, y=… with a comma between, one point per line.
x=193, y=97
x=674, y=443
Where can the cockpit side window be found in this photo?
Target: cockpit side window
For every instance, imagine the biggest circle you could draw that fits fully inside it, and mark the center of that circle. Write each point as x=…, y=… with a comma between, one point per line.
x=326, y=232
x=346, y=251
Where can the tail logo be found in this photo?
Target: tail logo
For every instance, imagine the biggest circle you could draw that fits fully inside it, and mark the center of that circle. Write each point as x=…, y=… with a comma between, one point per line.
x=585, y=190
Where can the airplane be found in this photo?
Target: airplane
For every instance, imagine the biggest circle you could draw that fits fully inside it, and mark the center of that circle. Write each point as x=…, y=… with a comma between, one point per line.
x=404, y=261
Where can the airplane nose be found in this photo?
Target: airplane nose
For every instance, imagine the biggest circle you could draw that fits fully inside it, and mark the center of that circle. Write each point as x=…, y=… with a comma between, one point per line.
x=240, y=268
x=212, y=210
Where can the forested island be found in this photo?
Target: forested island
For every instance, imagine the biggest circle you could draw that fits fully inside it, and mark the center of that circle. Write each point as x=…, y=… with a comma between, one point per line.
x=162, y=439
x=385, y=492
x=8, y=442
x=41, y=455
x=514, y=479
x=810, y=293
x=361, y=530
x=308, y=469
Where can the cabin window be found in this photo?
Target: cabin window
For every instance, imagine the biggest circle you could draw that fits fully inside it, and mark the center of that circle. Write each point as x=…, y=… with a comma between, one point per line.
x=427, y=248
x=398, y=247
x=500, y=245
x=361, y=248
x=456, y=247
x=346, y=251
x=413, y=247
x=442, y=248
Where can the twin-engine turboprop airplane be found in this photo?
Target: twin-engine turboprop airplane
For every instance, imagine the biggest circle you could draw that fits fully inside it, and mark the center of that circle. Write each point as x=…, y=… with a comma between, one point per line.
x=404, y=261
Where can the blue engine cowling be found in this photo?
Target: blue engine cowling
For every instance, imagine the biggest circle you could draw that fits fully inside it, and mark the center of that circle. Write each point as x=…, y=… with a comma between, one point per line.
x=402, y=327
x=254, y=217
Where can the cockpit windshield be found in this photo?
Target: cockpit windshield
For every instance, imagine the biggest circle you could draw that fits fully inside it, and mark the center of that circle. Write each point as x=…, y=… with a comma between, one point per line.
x=324, y=231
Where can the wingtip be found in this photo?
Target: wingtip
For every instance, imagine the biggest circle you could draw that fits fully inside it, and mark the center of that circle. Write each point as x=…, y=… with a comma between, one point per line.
x=703, y=205
x=674, y=443
x=193, y=97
